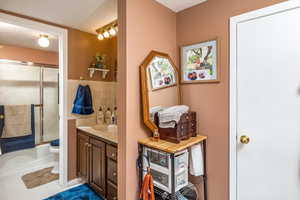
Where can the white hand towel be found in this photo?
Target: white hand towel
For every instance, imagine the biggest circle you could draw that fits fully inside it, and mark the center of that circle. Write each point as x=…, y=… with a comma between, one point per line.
x=196, y=160
x=170, y=116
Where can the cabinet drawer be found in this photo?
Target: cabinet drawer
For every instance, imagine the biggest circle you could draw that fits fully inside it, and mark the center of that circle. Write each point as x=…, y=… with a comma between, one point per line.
x=112, y=191
x=112, y=171
x=111, y=152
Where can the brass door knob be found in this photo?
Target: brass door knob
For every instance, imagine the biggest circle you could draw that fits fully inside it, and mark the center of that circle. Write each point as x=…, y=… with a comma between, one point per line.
x=244, y=139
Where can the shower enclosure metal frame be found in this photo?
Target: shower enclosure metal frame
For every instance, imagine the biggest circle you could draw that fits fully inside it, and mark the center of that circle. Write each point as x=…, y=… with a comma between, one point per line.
x=42, y=104
x=41, y=92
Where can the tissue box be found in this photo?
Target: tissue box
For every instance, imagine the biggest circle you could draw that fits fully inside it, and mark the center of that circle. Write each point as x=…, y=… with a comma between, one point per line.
x=183, y=130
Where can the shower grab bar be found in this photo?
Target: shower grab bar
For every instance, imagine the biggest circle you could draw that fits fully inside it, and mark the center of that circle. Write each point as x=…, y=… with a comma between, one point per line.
x=38, y=105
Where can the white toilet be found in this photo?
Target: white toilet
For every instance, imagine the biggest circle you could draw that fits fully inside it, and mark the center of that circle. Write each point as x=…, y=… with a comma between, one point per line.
x=54, y=148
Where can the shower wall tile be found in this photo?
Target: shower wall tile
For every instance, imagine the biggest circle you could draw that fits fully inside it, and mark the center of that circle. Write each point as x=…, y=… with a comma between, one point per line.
x=103, y=93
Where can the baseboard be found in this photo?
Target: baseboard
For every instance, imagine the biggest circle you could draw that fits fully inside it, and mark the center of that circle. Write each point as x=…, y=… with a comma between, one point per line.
x=74, y=182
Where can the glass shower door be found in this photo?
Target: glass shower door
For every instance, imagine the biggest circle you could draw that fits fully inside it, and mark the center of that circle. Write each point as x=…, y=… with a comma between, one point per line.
x=20, y=85
x=50, y=104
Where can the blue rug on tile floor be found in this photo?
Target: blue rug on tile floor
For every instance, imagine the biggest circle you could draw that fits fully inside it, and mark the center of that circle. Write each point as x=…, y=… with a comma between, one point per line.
x=82, y=192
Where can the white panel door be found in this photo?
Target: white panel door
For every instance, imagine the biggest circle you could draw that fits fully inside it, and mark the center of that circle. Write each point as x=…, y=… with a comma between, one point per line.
x=268, y=107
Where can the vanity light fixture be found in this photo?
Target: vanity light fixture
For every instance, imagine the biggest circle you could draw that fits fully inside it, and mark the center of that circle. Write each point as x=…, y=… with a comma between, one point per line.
x=100, y=36
x=43, y=41
x=106, y=34
x=108, y=31
x=112, y=31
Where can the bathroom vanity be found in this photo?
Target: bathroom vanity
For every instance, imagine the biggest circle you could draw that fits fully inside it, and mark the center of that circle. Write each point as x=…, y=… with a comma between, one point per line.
x=97, y=160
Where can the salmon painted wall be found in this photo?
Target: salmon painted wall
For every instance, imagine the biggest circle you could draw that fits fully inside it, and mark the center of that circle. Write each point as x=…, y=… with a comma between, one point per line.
x=28, y=55
x=149, y=26
x=82, y=48
x=211, y=101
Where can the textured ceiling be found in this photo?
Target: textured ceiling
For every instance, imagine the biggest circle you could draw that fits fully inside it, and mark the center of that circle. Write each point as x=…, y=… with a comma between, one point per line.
x=85, y=15
x=24, y=37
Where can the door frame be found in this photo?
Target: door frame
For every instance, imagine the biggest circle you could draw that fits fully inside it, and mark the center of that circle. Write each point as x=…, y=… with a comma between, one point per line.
x=234, y=21
x=62, y=35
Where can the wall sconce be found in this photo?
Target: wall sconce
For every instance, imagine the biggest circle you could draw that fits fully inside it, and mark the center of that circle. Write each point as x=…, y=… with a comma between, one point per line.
x=108, y=31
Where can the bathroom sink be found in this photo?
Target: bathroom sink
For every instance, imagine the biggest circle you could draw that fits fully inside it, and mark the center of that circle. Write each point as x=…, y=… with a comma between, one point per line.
x=100, y=127
x=105, y=128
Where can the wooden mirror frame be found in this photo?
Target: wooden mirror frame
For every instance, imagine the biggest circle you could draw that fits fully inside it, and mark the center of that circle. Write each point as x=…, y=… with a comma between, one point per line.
x=144, y=86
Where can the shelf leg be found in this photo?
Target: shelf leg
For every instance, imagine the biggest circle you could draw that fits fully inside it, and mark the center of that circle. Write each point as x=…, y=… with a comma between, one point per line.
x=104, y=73
x=92, y=71
x=205, y=172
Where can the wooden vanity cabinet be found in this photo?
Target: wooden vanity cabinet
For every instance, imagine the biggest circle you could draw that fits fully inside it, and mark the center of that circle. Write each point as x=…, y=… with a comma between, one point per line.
x=97, y=164
x=82, y=156
x=97, y=170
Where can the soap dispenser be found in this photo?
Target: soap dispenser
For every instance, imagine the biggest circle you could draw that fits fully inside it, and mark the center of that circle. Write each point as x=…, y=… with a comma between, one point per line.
x=100, y=116
x=108, y=116
x=114, y=116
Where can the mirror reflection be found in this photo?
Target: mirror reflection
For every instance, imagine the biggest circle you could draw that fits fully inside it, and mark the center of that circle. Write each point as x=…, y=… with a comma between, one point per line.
x=161, y=73
x=162, y=81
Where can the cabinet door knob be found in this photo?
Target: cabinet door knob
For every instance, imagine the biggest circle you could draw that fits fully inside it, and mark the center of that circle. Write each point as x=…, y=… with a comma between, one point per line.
x=115, y=198
x=113, y=155
x=115, y=174
x=244, y=139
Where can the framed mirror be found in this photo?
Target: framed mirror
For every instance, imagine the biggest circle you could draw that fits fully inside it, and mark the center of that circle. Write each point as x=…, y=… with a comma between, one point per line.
x=159, y=86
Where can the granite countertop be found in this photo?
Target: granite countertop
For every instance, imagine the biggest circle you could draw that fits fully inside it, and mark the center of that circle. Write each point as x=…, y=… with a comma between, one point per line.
x=102, y=132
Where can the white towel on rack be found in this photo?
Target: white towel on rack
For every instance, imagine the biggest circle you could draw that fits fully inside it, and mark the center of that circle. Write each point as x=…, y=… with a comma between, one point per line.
x=196, y=160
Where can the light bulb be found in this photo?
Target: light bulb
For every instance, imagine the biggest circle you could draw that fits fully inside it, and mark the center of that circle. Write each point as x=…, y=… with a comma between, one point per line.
x=44, y=41
x=100, y=36
x=112, y=31
x=106, y=34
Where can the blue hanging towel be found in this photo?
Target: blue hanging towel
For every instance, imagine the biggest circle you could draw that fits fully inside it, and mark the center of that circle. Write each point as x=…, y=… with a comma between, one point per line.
x=83, y=103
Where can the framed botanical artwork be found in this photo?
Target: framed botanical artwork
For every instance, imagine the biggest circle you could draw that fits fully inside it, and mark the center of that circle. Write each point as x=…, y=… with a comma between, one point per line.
x=199, y=62
x=162, y=73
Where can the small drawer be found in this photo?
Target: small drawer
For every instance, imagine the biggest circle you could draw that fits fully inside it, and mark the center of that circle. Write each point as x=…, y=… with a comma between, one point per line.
x=160, y=179
x=112, y=171
x=112, y=191
x=112, y=152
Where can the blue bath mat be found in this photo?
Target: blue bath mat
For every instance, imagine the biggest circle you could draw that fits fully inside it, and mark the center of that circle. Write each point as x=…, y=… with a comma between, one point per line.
x=82, y=192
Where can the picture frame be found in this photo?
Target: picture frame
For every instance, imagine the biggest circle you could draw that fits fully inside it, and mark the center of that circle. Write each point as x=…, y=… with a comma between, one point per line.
x=199, y=62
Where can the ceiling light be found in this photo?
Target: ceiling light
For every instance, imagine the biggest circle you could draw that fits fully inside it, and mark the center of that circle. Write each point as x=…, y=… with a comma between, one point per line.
x=100, y=36
x=106, y=34
x=44, y=41
x=30, y=63
x=112, y=31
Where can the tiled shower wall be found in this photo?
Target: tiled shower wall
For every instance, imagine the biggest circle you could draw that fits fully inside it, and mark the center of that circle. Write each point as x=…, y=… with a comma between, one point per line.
x=103, y=93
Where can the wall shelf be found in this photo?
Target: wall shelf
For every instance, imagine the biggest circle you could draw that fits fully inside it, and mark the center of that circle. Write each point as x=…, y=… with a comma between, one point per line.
x=103, y=71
